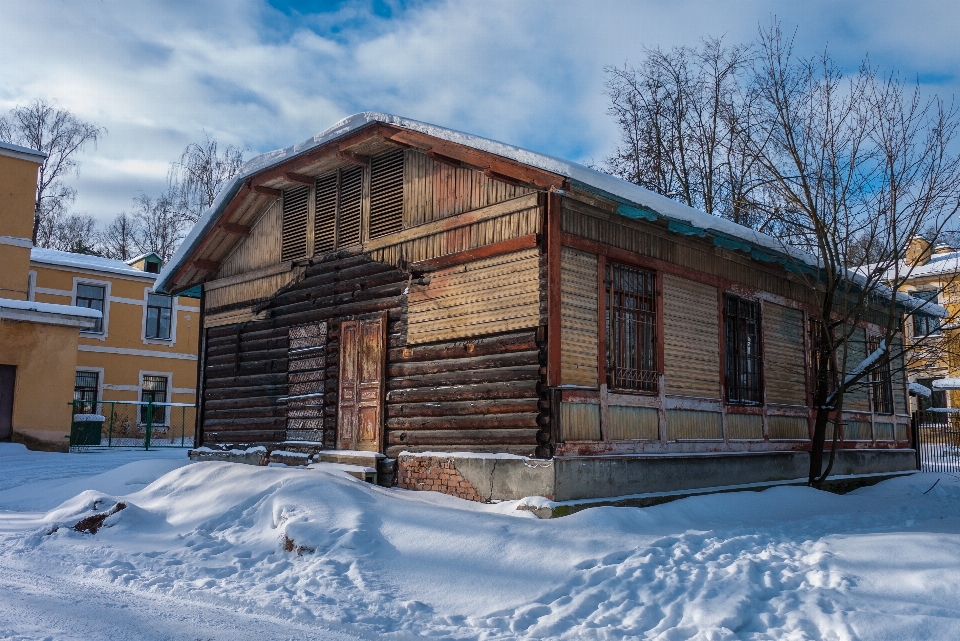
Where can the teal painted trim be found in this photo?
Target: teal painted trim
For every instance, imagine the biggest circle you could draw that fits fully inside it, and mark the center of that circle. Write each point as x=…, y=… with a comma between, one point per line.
x=686, y=229
x=630, y=211
x=732, y=244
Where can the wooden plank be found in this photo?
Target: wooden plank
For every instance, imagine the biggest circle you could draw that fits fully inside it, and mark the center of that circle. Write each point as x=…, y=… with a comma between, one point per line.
x=691, y=355
x=783, y=355
x=579, y=299
x=487, y=251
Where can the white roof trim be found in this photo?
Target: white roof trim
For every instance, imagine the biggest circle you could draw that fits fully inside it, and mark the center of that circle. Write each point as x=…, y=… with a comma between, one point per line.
x=22, y=153
x=16, y=241
x=48, y=313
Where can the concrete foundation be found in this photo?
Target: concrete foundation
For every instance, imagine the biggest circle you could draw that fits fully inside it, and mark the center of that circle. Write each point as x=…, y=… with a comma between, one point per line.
x=501, y=477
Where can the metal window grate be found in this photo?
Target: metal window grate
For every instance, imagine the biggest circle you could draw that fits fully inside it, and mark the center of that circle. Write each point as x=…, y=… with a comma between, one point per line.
x=743, y=362
x=386, y=194
x=85, y=389
x=881, y=381
x=295, y=213
x=351, y=205
x=631, y=328
x=154, y=390
x=325, y=217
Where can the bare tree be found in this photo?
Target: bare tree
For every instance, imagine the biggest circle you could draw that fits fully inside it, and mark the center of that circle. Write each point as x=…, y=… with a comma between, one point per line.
x=118, y=239
x=683, y=116
x=76, y=233
x=203, y=169
x=43, y=126
x=855, y=167
x=158, y=225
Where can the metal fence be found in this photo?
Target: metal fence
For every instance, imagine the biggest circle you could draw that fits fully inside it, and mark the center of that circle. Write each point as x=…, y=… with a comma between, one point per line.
x=937, y=439
x=132, y=424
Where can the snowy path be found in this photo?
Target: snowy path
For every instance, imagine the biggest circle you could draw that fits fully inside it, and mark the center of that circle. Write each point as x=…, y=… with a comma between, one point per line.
x=200, y=554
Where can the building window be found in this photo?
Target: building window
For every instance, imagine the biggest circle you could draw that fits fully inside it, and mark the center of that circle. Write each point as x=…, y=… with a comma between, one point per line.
x=815, y=327
x=743, y=363
x=85, y=387
x=154, y=390
x=925, y=325
x=92, y=297
x=159, y=313
x=937, y=399
x=881, y=382
x=631, y=328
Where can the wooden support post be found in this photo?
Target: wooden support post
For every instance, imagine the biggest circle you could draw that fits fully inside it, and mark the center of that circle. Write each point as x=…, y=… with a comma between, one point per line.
x=552, y=228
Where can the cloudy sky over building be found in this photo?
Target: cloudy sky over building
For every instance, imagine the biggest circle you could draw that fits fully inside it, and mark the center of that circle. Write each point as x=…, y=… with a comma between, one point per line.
x=264, y=75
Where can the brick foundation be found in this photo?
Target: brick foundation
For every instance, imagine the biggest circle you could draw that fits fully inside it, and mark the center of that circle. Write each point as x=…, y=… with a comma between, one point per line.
x=434, y=473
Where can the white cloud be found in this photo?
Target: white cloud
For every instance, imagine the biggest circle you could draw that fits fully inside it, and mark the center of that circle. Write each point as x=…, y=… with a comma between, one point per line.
x=157, y=73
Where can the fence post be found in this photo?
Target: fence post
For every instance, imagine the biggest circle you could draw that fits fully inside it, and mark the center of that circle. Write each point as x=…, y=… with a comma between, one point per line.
x=113, y=407
x=146, y=440
x=915, y=437
x=183, y=432
x=72, y=410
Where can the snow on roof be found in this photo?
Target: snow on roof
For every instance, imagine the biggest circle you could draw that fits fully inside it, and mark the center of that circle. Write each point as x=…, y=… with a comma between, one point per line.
x=23, y=153
x=947, y=383
x=141, y=257
x=919, y=390
x=636, y=201
x=86, y=261
x=49, y=308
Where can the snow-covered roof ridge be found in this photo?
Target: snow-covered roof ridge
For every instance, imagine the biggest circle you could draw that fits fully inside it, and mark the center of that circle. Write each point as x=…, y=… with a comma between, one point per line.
x=689, y=220
x=86, y=261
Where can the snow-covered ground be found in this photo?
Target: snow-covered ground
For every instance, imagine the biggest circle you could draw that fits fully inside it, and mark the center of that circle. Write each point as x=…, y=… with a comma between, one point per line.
x=223, y=551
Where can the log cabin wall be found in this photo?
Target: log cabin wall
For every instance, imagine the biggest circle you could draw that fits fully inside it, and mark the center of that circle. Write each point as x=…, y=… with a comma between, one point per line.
x=689, y=412
x=464, y=360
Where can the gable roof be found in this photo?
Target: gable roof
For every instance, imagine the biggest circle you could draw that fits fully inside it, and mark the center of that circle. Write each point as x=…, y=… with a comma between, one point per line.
x=634, y=201
x=86, y=261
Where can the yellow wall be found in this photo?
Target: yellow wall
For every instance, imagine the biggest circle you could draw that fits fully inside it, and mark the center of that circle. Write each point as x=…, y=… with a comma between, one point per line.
x=124, y=331
x=18, y=185
x=45, y=357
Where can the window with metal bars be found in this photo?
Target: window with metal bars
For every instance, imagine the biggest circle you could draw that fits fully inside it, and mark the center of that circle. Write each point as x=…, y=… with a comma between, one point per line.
x=631, y=328
x=386, y=193
x=881, y=381
x=154, y=390
x=743, y=362
x=85, y=389
x=295, y=214
x=816, y=339
x=92, y=297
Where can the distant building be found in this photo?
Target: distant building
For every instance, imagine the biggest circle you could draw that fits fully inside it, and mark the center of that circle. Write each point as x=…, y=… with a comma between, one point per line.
x=38, y=341
x=144, y=347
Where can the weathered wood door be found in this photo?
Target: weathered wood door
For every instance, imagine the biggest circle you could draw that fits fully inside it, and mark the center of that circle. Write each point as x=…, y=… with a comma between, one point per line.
x=362, y=360
x=8, y=375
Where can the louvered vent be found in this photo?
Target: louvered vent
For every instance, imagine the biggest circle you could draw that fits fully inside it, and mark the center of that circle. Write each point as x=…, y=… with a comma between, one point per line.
x=294, y=238
x=351, y=202
x=386, y=194
x=325, y=222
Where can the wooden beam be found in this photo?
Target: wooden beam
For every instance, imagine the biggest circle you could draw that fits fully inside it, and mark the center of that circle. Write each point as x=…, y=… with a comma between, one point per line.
x=301, y=179
x=446, y=160
x=553, y=240
x=487, y=251
x=266, y=191
x=356, y=159
x=494, y=175
x=235, y=229
x=205, y=265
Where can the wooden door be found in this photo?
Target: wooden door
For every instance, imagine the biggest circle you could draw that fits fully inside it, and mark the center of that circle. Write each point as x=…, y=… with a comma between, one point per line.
x=8, y=376
x=362, y=359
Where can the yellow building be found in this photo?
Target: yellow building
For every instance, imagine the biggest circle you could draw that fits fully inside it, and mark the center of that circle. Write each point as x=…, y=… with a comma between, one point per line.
x=145, y=346
x=38, y=340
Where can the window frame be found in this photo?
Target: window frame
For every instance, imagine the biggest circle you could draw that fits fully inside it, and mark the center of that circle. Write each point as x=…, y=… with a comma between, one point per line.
x=922, y=320
x=170, y=318
x=97, y=389
x=881, y=382
x=735, y=392
x=101, y=333
x=167, y=391
x=647, y=378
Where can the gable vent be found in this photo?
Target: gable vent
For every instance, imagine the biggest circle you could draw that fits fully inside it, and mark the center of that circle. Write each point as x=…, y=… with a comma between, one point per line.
x=351, y=205
x=325, y=221
x=386, y=194
x=294, y=234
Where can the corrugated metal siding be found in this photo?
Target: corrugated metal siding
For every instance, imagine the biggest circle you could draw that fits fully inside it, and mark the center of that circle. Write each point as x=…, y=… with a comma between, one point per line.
x=486, y=296
x=788, y=427
x=632, y=423
x=579, y=422
x=691, y=334
x=785, y=366
x=578, y=318
x=434, y=190
x=260, y=249
x=691, y=424
x=744, y=426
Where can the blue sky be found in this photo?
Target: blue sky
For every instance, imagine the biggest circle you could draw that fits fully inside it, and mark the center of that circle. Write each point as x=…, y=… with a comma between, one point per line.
x=265, y=74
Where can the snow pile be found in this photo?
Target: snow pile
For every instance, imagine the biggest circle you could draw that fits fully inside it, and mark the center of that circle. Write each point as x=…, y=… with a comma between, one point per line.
x=306, y=551
x=919, y=390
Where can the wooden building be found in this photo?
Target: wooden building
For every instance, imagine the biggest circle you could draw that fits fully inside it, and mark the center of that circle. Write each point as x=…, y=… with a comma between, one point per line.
x=395, y=287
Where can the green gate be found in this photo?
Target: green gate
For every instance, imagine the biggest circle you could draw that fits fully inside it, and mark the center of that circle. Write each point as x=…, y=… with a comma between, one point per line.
x=132, y=424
